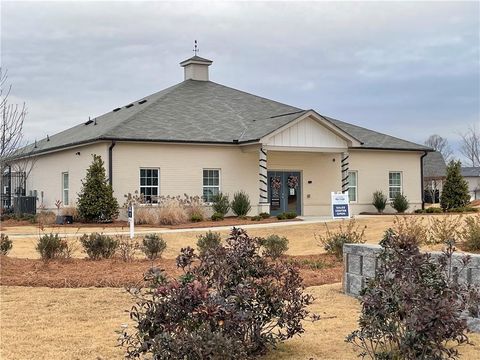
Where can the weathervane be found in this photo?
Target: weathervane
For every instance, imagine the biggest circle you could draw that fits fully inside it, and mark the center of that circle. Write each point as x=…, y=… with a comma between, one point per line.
x=195, y=49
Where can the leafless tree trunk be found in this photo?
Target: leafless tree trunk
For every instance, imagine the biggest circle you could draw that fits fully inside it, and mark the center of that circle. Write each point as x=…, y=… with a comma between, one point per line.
x=438, y=143
x=470, y=146
x=13, y=116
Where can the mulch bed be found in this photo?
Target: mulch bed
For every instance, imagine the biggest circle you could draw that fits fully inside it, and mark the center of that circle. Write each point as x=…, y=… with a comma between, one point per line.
x=228, y=221
x=76, y=273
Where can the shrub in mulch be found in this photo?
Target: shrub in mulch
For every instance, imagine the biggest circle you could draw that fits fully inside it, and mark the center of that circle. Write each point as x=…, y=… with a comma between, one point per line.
x=230, y=302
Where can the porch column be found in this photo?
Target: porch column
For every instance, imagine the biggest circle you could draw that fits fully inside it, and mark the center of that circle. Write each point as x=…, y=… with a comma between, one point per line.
x=344, y=167
x=263, y=204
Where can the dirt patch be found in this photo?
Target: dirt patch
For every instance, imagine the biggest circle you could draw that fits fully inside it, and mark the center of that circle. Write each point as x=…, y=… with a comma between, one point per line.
x=75, y=273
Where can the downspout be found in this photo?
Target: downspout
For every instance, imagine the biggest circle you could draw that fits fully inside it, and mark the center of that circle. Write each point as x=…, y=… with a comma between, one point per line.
x=421, y=179
x=110, y=162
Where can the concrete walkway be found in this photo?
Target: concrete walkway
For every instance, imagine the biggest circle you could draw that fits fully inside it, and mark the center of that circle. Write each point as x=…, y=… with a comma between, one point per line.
x=305, y=220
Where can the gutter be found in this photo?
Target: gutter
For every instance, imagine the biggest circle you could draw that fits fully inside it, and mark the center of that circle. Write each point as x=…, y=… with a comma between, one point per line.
x=421, y=179
x=110, y=162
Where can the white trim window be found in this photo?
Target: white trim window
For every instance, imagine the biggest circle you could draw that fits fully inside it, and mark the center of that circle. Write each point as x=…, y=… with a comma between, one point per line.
x=65, y=188
x=211, y=184
x=394, y=184
x=149, y=184
x=352, y=186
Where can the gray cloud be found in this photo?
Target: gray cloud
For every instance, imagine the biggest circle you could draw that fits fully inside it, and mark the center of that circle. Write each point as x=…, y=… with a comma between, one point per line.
x=409, y=69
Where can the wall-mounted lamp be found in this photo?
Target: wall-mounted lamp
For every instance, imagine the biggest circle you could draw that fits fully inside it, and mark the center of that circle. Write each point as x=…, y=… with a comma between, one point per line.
x=333, y=159
x=77, y=153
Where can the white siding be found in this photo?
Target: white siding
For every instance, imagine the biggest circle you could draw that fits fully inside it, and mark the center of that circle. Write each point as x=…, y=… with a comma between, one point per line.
x=307, y=133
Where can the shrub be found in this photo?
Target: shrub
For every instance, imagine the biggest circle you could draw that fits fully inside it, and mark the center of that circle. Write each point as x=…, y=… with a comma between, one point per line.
x=241, y=203
x=282, y=216
x=264, y=215
x=99, y=246
x=127, y=248
x=412, y=227
x=217, y=217
x=196, y=218
x=275, y=246
x=420, y=211
x=379, y=201
x=171, y=212
x=230, y=304
x=397, y=321
x=463, y=209
x=96, y=202
x=470, y=235
x=209, y=241
x=51, y=246
x=221, y=204
x=455, y=189
x=5, y=244
x=146, y=215
x=400, y=203
x=256, y=218
x=46, y=218
x=291, y=215
x=153, y=246
x=443, y=229
x=333, y=242
x=196, y=209
x=434, y=210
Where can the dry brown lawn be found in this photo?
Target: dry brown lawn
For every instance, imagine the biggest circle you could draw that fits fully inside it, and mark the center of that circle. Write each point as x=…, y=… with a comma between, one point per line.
x=44, y=323
x=301, y=236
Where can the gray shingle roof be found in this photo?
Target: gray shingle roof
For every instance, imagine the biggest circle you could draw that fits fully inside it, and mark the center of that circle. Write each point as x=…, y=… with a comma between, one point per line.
x=196, y=58
x=471, y=171
x=434, y=165
x=203, y=112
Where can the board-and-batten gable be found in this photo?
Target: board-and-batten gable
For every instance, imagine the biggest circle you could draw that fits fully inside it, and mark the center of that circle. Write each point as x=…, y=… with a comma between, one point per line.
x=308, y=133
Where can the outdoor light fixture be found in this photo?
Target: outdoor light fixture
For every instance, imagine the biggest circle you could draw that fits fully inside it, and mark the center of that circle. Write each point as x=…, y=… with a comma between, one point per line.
x=77, y=153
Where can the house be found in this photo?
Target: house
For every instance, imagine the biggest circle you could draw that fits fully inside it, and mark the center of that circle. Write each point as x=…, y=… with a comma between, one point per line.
x=472, y=175
x=434, y=175
x=199, y=137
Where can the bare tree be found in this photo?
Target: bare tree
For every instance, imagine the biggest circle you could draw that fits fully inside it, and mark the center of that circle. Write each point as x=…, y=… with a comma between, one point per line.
x=13, y=116
x=470, y=145
x=440, y=144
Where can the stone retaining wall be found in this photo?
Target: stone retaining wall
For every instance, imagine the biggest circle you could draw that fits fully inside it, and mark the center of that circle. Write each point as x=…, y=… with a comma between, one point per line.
x=360, y=262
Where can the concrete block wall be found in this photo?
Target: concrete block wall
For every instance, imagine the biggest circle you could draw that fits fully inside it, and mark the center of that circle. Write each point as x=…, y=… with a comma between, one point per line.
x=360, y=263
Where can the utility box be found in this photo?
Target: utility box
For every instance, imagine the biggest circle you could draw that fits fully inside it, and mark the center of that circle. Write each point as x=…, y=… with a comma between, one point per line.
x=25, y=204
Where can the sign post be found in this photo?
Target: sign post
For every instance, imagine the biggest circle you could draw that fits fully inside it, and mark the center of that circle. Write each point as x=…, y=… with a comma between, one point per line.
x=340, y=206
x=131, y=221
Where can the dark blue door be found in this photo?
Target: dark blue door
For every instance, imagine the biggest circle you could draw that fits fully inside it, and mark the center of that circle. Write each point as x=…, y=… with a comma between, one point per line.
x=284, y=192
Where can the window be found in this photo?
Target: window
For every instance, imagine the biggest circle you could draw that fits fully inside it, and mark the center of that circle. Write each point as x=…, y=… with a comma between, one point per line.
x=65, y=187
x=352, y=186
x=211, y=184
x=149, y=184
x=394, y=183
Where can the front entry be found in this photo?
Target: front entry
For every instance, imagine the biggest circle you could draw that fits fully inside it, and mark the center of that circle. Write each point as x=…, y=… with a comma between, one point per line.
x=284, y=192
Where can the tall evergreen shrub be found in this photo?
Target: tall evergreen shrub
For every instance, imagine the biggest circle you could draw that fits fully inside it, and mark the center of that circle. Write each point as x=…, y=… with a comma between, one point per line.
x=96, y=202
x=455, y=191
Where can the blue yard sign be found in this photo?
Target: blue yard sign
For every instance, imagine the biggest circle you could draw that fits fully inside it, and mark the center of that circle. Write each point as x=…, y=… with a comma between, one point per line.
x=340, y=206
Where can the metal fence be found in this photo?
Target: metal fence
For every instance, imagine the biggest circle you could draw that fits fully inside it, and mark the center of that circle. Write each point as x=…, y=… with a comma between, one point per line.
x=13, y=185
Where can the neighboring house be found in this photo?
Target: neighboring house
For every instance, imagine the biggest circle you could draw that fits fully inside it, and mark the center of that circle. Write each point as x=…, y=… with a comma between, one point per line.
x=434, y=174
x=472, y=175
x=200, y=138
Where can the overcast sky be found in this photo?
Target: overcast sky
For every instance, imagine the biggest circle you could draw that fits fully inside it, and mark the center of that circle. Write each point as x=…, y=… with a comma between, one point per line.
x=408, y=69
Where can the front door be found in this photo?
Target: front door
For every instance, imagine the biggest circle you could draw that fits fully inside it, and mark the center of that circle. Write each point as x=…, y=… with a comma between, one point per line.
x=284, y=192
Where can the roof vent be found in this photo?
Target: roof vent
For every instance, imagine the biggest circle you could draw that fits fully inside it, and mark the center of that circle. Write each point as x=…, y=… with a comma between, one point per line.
x=89, y=121
x=129, y=106
x=48, y=138
x=116, y=109
x=142, y=101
